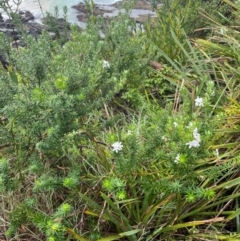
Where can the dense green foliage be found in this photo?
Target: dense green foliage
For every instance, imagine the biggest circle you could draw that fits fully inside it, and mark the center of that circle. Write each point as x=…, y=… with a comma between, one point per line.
x=133, y=136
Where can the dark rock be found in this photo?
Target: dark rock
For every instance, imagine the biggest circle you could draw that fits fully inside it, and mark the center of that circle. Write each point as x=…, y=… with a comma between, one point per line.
x=63, y=24
x=81, y=17
x=1, y=18
x=34, y=28
x=140, y=11
x=4, y=29
x=52, y=25
x=34, y=32
x=9, y=23
x=10, y=33
x=17, y=44
x=26, y=16
x=4, y=61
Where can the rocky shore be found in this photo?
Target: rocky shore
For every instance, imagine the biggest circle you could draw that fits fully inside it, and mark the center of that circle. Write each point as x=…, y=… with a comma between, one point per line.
x=140, y=12
x=30, y=27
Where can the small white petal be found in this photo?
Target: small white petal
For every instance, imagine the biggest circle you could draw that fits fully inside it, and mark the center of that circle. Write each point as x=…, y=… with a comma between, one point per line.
x=199, y=101
x=105, y=64
x=164, y=138
x=194, y=143
x=196, y=134
x=177, y=158
x=117, y=146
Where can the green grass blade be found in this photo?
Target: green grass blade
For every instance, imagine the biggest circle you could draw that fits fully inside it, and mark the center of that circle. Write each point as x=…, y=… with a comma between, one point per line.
x=116, y=210
x=228, y=184
x=120, y=235
x=96, y=207
x=75, y=235
x=191, y=224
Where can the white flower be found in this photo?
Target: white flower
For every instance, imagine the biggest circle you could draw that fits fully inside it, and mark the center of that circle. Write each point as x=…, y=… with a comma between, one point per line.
x=105, y=64
x=199, y=101
x=194, y=143
x=222, y=30
x=196, y=134
x=164, y=138
x=175, y=124
x=177, y=158
x=117, y=146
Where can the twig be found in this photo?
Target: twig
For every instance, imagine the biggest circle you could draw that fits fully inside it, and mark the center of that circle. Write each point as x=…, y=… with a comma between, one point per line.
x=5, y=145
x=40, y=7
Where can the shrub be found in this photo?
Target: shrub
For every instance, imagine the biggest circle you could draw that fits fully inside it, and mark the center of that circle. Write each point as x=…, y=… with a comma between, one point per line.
x=89, y=150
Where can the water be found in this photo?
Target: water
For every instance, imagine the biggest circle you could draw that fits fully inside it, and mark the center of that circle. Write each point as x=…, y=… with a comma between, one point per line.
x=49, y=5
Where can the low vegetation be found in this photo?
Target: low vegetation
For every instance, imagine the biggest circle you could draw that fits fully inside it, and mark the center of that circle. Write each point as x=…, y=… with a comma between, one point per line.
x=124, y=135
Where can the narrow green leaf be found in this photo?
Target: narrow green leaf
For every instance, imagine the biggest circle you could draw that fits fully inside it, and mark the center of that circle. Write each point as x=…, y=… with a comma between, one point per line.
x=153, y=208
x=203, y=236
x=120, y=235
x=155, y=233
x=228, y=184
x=233, y=215
x=75, y=235
x=165, y=56
x=191, y=224
x=91, y=202
x=107, y=215
x=13, y=77
x=117, y=210
x=232, y=4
